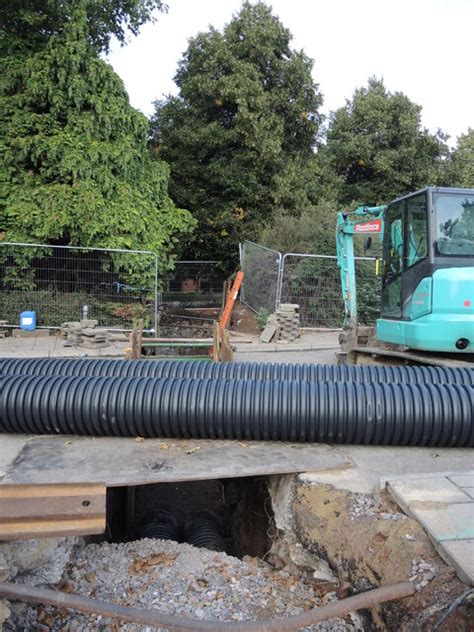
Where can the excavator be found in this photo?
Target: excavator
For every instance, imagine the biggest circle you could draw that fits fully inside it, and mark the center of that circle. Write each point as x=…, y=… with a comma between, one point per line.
x=427, y=279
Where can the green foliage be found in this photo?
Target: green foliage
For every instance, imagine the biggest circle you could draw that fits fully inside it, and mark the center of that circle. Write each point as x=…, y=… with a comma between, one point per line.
x=262, y=317
x=459, y=170
x=75, y=165
x=377, y=145
x=239, y=135
x=313, y=231
x=54, y=308
x=368, y=292
x=28, y=24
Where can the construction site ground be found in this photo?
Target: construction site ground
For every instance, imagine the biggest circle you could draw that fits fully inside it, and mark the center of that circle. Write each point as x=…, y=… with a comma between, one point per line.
x=345, y=518
x=53, y=346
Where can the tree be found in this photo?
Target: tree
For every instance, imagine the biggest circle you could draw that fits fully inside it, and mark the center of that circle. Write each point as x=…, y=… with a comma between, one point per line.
x=312, y=231
x=377, y=145
x=30, y=23
x=241, y=131
x=460, y=166
x=75, y=164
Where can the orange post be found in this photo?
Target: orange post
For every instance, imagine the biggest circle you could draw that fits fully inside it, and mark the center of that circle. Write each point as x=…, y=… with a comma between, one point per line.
x=226, y=314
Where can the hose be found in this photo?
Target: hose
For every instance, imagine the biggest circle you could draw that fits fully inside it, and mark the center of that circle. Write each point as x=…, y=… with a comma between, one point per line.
x=155, y=619
x=465, y=597
x=339, y=412
x=238, y=370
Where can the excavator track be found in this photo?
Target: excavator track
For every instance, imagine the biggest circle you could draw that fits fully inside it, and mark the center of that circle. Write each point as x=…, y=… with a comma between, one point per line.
x=360, y=346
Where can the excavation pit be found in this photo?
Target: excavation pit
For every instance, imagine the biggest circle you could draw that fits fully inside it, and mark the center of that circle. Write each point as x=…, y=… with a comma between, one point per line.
x=231, y=515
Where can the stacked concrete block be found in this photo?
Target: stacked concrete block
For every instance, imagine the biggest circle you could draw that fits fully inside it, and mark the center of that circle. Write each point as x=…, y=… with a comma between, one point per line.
x=288, y=319
x=72, y=332
x=93, y=338
x=85, y=333
x=272, y=329
x=283, y=325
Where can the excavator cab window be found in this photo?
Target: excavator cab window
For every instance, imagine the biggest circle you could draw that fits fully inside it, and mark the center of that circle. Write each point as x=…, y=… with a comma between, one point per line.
x=405, y=244
x=393, y=261
x=416, y=247
x=454, y=225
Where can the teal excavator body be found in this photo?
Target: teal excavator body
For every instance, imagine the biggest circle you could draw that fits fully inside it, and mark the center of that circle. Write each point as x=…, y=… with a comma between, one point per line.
x=427, y=268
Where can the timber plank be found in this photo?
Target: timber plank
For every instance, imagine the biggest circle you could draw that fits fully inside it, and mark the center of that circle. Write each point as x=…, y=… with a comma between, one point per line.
x=47, y=510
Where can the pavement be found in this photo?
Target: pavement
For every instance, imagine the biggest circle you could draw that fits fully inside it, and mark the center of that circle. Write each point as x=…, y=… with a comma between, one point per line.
x=310, y=340
x=319, y=356
x=444, y=506
x=53, y=346
x=312, y=346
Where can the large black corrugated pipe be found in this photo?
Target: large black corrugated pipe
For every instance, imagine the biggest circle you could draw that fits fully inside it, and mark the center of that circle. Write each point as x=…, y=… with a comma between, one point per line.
x=239, y=370
x=339, y=412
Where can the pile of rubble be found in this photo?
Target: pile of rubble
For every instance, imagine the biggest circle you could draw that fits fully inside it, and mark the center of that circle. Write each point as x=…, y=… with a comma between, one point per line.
x=283, y=325
x=176, y=580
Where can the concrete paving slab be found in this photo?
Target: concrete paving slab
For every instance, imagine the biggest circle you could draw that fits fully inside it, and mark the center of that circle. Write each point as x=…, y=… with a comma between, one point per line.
x=268, y=333
x=453, y=521
x=463, y=480
x=435, y=503
x=469, y=491
x=412, y=493
x=460, y=554
x=374, y=466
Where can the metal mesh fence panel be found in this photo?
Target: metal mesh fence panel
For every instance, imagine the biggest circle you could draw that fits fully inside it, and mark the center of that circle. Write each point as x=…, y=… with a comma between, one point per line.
x=261, y=267
x=313, y=282
x=118, y=286
x=194, y=282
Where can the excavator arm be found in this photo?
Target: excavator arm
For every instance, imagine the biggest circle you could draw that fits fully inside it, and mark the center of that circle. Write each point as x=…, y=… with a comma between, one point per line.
x=365, y=220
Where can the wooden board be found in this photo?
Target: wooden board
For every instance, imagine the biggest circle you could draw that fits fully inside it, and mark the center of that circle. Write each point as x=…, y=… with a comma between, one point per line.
x=123, y=462
x=47, y=510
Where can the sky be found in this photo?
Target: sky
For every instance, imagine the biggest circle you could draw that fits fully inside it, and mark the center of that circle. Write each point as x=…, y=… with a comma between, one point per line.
x=422, y=48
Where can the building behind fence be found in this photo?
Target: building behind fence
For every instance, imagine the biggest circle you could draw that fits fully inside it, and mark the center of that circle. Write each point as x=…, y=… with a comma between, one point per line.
x=198, y=283
x=311, y=281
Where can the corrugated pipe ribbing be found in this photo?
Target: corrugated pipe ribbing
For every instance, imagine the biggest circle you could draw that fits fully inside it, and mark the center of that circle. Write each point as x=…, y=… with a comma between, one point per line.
x=339, y=412
x=238, y=370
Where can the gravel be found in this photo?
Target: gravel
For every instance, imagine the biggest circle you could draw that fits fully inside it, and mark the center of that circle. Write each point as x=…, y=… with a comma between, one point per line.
x=175, y=579
x=422, y=573
x=362, y=505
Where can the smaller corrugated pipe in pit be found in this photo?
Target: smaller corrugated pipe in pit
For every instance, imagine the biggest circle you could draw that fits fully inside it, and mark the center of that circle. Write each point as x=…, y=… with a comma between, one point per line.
x=261, y=371
x=340, y=412
x=204, y=530
x=162, y=526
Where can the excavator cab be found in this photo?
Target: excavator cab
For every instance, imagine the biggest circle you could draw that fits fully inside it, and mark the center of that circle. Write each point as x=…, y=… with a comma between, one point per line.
x=427, y=298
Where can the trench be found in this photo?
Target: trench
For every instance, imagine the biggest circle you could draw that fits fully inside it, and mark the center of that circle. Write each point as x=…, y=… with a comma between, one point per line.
x=233, y=515
x=273, y=518
x=291, y=527
x=230, y=515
